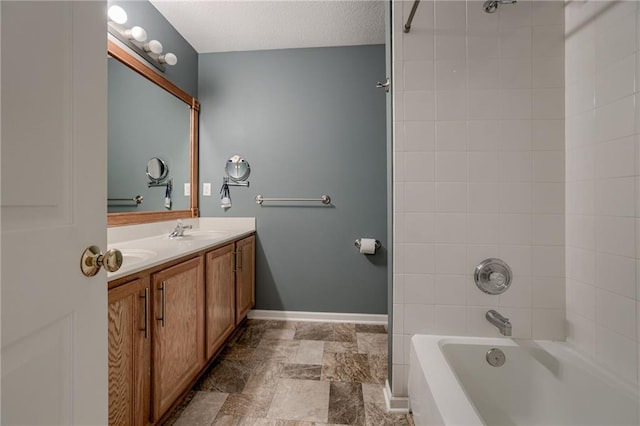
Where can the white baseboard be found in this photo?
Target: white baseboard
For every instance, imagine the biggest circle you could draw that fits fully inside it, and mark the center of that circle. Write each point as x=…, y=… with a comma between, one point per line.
x=318, y=316
x=399, y=405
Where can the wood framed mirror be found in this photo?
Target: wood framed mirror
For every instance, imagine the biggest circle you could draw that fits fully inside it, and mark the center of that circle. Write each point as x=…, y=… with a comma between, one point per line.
x=190, y=209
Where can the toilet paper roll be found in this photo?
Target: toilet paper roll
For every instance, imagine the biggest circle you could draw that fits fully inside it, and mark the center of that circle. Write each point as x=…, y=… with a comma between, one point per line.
x=367, y=245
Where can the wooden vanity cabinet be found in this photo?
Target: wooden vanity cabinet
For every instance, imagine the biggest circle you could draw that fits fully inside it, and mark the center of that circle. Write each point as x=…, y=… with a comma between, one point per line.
x=129, y=338
x=178, y=331
x=220, y=297
x=245, y=277
x=166, y=325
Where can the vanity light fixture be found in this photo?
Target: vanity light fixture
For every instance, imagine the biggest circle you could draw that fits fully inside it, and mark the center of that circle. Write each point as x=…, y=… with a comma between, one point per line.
x=135, y=38
x=136, y=33
x=117, y=15
x=169, y=59
x=153, y=46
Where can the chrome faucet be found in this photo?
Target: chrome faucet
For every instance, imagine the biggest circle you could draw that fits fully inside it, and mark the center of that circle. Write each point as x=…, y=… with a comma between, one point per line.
x=499, y=321
x=179, y=231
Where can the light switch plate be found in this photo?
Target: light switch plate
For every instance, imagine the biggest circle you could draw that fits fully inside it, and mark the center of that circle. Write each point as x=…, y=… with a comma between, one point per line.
x=187, y=189
x=206, y=189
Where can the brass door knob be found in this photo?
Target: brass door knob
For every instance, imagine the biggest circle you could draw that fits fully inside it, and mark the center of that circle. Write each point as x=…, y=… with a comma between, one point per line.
x=92, y=260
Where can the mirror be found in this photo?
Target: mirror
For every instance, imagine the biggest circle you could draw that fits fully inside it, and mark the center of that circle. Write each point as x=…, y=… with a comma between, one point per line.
x=237, y=169
x=157, y=170
x=158, y=125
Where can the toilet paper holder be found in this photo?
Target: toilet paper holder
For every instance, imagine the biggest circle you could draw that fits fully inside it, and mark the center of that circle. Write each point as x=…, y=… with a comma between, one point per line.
x=378, y=244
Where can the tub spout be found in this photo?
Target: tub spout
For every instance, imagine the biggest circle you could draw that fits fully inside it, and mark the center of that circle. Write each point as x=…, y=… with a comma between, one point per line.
x=499, y=321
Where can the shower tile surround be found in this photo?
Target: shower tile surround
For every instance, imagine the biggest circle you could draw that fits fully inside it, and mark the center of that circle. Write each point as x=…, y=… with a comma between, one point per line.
x=479, y=169
x=281, y=373
x=602, y=198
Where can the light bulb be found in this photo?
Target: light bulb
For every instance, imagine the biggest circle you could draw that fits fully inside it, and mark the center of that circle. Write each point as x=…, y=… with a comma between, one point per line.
x=136, y=33
x=153, y=46
x=169, y=59
x=117, y=14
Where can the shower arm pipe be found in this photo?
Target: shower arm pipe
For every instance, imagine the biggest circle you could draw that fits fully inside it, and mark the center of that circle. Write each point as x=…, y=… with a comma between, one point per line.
x=407, y=26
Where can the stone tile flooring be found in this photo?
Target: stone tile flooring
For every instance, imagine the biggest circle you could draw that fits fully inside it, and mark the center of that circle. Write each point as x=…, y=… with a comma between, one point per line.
x=283, y=373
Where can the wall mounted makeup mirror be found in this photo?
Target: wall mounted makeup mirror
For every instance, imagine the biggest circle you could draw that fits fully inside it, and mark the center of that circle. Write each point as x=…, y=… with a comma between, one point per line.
x=183, y=161
x=157, y=170
x=237, y=169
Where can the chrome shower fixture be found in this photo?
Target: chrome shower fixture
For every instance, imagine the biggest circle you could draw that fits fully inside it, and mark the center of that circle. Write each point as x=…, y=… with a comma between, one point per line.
x=491, y=6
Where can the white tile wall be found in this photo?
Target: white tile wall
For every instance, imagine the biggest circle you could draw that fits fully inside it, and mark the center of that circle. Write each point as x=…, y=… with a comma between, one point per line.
x=601, y=182
x=487, y=111
x=481, y=113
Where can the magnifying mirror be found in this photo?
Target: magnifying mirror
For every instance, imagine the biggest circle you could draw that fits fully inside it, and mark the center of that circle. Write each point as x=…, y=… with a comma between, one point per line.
x=237, y=169
x=157, y=170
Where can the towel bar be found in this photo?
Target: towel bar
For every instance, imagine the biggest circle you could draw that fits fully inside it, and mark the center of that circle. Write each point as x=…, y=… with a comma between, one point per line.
x=324, y=199
x=137, y=199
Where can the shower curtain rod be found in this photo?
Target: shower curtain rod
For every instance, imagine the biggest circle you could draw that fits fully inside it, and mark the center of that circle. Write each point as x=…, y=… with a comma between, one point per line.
x=407, y=26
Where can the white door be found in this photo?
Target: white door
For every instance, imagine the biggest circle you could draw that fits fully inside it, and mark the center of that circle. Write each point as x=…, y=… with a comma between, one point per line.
x=53, y=204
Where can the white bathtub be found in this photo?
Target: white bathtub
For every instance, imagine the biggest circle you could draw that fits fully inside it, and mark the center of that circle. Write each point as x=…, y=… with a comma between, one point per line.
x=541, y=383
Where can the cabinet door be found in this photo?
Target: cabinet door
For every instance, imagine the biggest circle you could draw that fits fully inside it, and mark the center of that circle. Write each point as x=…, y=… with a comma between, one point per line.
x=129, y=343
x=178, y=331
x=220, y=296
x=245, y=277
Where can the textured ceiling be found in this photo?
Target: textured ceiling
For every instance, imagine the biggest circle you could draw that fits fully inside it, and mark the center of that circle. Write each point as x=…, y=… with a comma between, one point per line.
x=224, y=26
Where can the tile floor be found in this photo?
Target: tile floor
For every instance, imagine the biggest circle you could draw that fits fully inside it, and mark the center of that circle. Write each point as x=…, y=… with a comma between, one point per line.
x=281, y=373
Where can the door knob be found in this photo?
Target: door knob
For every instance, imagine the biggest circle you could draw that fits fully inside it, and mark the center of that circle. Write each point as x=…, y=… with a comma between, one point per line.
x=92, y=260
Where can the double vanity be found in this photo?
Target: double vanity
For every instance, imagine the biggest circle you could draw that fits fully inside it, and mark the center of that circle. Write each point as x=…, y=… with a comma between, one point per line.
x=172, y=306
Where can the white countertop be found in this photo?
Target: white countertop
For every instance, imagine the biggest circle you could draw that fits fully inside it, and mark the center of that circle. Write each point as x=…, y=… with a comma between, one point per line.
x=147, y=245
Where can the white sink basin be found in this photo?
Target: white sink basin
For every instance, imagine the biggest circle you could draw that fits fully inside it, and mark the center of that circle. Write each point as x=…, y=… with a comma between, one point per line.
x=135, y=256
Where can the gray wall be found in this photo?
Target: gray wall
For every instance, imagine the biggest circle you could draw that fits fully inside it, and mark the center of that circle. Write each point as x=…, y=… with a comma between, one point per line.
x=145, y=121
x=185, y=73
x=310, y=122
